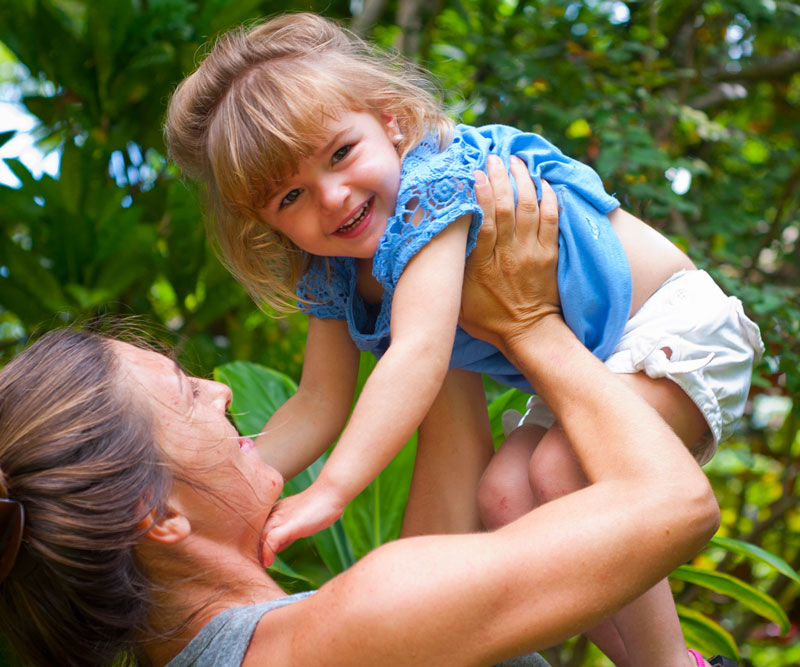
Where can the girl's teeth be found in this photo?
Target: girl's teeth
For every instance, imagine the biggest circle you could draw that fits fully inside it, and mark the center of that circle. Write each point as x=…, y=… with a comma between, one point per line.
x=358, y=218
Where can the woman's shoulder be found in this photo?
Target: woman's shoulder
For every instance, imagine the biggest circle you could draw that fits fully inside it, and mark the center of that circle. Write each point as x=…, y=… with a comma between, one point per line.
x=226, y=638
x=270, y=641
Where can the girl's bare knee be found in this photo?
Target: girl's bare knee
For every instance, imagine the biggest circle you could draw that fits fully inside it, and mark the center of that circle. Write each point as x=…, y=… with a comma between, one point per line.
x=554, y=470
x=504, y=492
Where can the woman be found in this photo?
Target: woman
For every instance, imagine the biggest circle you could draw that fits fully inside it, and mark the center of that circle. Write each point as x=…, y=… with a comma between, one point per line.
x=143, y=510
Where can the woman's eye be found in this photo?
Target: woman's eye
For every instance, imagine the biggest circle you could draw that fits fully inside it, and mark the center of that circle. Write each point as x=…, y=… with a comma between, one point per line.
x=289, y=198
x=341, y=153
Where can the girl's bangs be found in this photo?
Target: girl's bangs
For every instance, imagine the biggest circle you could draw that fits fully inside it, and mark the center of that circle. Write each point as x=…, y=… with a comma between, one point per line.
x=266, y=125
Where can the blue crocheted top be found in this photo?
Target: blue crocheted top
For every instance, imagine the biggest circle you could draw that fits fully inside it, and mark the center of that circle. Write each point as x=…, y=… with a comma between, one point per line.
x=437, y=187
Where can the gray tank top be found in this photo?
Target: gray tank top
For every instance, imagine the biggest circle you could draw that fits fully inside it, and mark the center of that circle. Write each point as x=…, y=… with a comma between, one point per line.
x=225, y=638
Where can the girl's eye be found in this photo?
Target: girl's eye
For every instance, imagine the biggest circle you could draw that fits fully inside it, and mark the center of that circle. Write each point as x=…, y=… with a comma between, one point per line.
x=341, y=153
x=289, y=198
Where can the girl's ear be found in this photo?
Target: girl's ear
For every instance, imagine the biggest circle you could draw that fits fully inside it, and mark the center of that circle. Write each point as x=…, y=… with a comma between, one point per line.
x=392, y=128
x=171, y=528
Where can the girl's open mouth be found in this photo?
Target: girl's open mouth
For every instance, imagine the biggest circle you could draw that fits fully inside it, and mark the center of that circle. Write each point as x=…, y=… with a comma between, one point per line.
x=351, y=224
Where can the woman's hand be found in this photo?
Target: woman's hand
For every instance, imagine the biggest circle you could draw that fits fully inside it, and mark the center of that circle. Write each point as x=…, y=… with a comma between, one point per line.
x=510, y=283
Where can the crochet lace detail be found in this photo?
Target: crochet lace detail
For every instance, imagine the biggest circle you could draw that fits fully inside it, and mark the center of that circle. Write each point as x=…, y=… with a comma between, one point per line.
x=437, y=188
x=326, y=284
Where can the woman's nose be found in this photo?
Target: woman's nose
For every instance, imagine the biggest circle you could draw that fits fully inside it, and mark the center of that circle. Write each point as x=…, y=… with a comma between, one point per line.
x=222, y=395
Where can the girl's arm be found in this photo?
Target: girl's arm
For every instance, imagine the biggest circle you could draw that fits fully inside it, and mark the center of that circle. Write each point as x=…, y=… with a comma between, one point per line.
x=305, y=425
x=398, y=393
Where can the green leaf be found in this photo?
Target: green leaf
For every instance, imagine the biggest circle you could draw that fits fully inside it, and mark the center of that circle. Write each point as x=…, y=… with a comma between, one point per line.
x=334, y=547
x=375, y=516
x=756, y=553
x=742, y=592
x=19, y=170
x=578, y=129
x=6, y=136
x=705, y=635
x=513, y=399
x=257, y=392
x=26, y=270
x=70, y=178
x=755, y=151
x=280, y=567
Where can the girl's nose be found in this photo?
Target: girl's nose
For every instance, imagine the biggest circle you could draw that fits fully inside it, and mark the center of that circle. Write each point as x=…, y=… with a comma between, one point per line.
x=333, y=193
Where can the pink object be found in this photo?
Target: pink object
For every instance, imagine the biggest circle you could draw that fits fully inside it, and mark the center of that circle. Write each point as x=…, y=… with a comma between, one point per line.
x=699, y=659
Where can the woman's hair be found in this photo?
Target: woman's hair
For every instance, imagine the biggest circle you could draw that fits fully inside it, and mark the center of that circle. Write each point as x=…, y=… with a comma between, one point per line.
x=81, y=457
x=257, y=104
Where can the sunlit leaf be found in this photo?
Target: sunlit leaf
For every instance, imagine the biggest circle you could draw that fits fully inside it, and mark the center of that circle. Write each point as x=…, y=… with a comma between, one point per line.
x=257, y=392
x=755, y=552
x=578, y=129
x=280, y=567
x=706, y=635
x=742, y=592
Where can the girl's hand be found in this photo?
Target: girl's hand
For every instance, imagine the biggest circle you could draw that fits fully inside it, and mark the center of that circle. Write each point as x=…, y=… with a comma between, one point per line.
x=297, y=516
x=510, y=283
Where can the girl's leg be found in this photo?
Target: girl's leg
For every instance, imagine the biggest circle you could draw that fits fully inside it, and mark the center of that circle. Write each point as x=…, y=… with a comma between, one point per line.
x=504, y=492
x=453, y=448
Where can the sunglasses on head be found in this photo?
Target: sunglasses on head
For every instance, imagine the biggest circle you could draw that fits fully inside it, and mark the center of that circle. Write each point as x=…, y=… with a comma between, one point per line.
x=12, y=521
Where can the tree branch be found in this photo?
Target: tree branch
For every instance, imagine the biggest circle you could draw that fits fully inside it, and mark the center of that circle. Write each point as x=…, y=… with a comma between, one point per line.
x=367, y=17
x=410, y=22
x=778, y=67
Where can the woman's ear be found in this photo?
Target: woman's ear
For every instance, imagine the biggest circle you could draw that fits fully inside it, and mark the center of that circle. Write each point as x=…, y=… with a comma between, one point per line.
x=171, y=528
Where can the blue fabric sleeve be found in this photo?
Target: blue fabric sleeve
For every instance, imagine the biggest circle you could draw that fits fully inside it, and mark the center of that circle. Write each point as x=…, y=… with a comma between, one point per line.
x=437, y=188
x=324, y=288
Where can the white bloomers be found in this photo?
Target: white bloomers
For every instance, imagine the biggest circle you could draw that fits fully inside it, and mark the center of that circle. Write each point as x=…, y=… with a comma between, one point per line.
x=691, y=332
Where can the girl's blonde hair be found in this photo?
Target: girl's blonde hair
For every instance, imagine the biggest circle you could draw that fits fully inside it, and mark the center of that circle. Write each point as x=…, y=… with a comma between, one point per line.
x=256, y=105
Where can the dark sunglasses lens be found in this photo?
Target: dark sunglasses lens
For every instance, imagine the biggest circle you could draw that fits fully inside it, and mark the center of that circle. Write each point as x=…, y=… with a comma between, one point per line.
x=11, y=521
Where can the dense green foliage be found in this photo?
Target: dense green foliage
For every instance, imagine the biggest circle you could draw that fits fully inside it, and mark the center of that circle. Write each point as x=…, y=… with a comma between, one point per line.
x=647, y=92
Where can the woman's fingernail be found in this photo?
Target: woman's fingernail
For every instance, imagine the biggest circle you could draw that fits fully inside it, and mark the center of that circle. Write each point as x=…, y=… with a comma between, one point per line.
x=480, y=177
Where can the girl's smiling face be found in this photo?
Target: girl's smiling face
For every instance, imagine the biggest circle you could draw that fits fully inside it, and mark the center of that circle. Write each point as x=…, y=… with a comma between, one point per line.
x=339, y=200
x=234, y=490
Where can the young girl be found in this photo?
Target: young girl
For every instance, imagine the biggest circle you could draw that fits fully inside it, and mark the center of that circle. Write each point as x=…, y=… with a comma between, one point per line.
x=337, y=180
